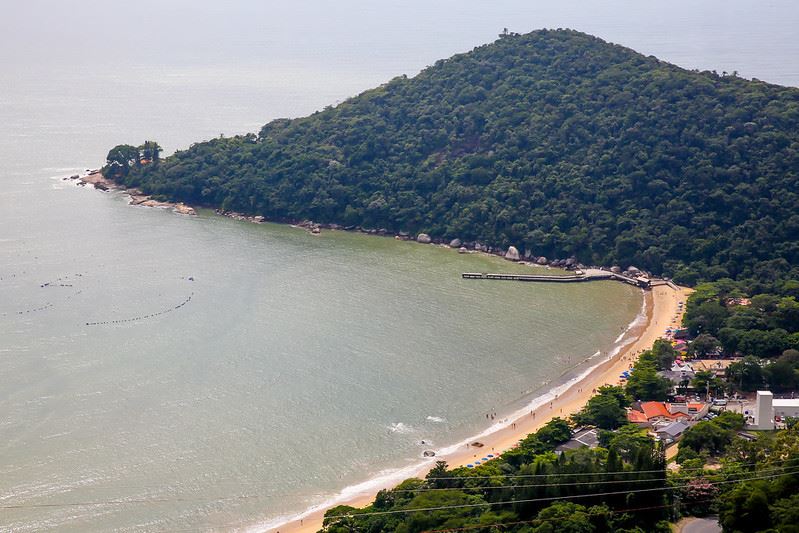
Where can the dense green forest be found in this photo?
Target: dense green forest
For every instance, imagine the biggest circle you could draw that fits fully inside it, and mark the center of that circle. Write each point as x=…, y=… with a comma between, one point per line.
x=757, y=321
x=555, y=141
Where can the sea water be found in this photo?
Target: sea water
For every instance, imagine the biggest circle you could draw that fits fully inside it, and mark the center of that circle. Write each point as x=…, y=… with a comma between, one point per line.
x=166, y=372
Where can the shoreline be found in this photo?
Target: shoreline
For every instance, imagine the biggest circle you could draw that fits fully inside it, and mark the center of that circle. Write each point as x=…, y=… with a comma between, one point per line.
x=660, y=309
x=137, y=197
x=560, y=400
x=96, y=179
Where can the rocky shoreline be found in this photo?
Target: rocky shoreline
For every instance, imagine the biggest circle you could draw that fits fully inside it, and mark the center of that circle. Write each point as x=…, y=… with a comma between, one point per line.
x=100, y=182
x=511, y=253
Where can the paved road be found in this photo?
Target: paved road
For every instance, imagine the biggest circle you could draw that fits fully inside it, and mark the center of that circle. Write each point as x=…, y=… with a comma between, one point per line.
x=701, y=525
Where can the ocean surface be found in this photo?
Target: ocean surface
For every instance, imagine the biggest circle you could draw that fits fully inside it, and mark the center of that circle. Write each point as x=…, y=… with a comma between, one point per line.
x=161, y=372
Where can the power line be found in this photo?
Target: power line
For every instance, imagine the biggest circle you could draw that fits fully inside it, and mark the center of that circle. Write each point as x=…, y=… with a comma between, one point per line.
x=619, y=472
x=552, y=498
x=569, y=484
x=539, y=520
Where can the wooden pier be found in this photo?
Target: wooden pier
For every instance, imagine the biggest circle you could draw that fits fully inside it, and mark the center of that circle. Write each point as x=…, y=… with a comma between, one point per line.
x=524, y=277
x=590, y=275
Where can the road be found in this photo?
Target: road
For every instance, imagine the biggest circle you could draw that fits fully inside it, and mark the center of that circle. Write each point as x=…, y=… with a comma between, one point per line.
x=700, y=525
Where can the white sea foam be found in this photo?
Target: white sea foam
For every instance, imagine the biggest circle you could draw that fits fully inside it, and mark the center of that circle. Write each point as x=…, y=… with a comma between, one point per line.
x=437, y=419
x=391, y=477
x=62, y=170
x=639, y=320
x=383, y=480
x=399, y=427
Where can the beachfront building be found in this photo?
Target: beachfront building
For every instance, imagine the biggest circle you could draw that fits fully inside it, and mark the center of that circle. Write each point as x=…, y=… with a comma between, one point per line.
x=652, y=412
x=768, y=409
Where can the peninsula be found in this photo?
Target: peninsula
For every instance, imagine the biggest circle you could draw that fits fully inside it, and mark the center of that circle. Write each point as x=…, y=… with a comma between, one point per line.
x=555, y=142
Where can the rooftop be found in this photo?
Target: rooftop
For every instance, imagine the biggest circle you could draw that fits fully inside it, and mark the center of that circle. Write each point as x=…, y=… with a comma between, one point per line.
x=785, y=402
x=636, y=417
x=659, y=409
x=674, y=429
x=582, y=437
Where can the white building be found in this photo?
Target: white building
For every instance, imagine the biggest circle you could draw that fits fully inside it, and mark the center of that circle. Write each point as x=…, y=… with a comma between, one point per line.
x=764, y=412
x=766, y=408
x=786, y=407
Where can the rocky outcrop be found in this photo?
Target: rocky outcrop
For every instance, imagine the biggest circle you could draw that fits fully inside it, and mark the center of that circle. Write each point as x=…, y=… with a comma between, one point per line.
x=542, y=261
x=455, y=243
x=512, y=254
x=424, y=238
x=615, y=269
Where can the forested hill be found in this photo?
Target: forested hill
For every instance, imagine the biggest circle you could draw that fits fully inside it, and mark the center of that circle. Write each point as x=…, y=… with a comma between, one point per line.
x=554, y=141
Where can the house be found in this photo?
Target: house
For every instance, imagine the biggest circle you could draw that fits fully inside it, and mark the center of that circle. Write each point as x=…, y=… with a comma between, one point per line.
x=581, y=437
x=672, y=432
x=677, y=376
x=717, y=366
x=665, y=411
x=638, y=418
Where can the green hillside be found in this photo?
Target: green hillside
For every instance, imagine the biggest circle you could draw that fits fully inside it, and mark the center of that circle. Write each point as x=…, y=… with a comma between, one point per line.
x=555, y=141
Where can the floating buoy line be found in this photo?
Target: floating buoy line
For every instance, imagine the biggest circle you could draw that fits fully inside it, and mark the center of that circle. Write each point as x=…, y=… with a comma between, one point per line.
x=142, y=317
x=68, y=282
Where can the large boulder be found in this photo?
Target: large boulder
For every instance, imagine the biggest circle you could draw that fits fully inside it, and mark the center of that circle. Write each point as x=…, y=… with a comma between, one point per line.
x=542, y=261
x=615, y=269
x=462, y=250
x=455, y=243
x=512, y=254
x=424, y=238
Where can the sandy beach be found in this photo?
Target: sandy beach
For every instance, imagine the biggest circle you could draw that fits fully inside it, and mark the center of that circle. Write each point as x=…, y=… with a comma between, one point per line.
x=661, y=310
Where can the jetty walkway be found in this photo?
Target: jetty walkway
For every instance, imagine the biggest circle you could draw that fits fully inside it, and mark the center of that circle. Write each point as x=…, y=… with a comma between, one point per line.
x=592, y=274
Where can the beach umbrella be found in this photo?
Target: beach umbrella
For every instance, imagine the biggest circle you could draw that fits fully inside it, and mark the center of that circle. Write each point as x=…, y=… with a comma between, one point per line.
x=470, y=465
x=477, y=462
x=491, y=455
x=484, y=459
